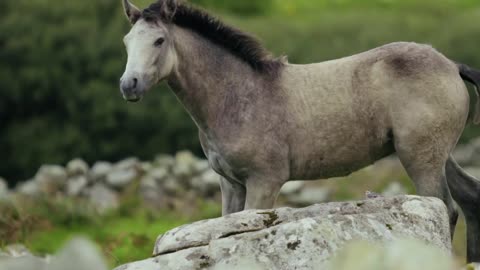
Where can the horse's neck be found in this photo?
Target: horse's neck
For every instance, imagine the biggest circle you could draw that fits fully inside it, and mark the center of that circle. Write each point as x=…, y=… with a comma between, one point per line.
x=209, y=81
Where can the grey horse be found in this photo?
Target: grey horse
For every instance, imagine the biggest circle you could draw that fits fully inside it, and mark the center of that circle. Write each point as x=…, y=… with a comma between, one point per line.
x=263, y=121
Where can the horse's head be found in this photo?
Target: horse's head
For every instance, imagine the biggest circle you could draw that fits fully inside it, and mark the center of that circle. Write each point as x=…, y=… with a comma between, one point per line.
x=150, y=48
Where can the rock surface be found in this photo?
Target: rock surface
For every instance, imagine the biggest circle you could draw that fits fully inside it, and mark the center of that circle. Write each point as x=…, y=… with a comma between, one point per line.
x=289, y=238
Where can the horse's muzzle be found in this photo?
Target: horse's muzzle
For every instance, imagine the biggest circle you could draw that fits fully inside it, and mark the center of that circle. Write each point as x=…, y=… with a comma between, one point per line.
x=131, y=90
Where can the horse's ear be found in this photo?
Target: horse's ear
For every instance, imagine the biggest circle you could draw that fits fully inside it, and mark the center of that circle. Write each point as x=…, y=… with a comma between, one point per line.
x=131, y=11
x=168, y=10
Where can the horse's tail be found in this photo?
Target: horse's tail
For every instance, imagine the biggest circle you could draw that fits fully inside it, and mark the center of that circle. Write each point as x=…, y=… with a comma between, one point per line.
x=473, y=76
x=465, y=190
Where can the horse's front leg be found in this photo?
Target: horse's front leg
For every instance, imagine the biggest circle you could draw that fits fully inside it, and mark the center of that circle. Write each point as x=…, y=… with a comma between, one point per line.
x=233, y=196
x=262, y=192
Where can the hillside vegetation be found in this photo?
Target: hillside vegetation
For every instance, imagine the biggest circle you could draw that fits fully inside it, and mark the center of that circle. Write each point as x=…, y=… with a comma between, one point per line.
x=60, y=62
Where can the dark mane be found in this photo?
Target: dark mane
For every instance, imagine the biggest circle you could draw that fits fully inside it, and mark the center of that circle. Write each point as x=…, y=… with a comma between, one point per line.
x=237, y=42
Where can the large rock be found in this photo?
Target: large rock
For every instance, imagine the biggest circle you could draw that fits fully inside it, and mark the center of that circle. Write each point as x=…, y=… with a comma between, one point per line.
x=289, y=238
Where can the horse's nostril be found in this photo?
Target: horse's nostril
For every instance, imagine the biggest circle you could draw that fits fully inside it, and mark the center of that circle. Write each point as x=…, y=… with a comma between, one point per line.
x=135, y=81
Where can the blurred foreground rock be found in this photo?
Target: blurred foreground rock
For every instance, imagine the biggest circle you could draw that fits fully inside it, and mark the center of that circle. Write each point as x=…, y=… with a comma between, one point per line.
x=79, y=254
x=473, y=266
x=399, y=255
x=305, y=238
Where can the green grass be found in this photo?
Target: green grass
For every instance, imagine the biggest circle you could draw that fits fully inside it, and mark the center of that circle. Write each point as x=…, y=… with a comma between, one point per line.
x=122, y=239
x=124, y=235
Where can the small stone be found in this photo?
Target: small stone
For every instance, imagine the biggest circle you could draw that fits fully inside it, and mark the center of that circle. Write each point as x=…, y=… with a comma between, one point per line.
x=17, y=250
x=148, y=183
x=76, y=185
x=129, y=163
x=120, y=178
x=146, y=167
x=158, y=174
x=184, y=165
x=372, y=195
x=394, y=189
x=292, y=187
x=151, y=193
x=172, y=187
x=29, y=188
x=77, y=167
x=51, y=178
x=206, y=184
x=309, y=196
x=103, y=198
x=185, y=157
x=100, y=170
x=164, y=161
x=200, y=166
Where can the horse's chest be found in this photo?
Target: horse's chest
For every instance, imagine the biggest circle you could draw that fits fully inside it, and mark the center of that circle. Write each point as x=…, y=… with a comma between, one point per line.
x=229, y=164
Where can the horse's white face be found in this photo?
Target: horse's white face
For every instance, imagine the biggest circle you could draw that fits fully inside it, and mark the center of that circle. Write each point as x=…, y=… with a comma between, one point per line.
x=151, y=56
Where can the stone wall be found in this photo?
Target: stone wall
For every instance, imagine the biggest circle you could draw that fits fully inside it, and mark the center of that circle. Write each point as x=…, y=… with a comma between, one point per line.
x=169, y=181
x=164, y=183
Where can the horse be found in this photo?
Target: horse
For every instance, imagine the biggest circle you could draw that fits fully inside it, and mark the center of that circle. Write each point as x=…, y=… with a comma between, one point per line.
x=263, y=121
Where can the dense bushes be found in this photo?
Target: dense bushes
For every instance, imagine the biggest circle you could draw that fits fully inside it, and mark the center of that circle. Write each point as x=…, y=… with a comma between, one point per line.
x=59, y=98
x=60, y=62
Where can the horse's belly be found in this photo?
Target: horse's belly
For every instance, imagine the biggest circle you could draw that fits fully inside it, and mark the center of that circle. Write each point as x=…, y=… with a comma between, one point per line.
x=321, y=161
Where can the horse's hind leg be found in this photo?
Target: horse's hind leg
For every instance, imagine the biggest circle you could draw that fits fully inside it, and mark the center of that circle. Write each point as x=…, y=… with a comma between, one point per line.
x=466, y=192
x=424, y=159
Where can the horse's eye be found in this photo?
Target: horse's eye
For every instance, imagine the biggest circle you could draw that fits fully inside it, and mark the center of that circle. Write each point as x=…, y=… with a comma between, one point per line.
x=159, y=42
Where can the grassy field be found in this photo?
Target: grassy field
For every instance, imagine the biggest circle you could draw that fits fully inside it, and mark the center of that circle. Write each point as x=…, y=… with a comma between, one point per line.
x=124, y=235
